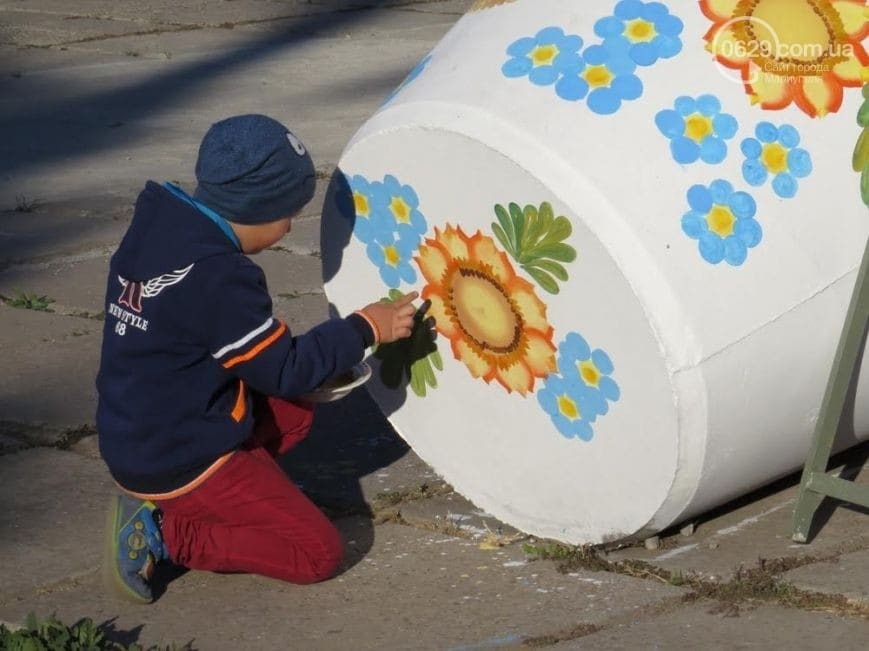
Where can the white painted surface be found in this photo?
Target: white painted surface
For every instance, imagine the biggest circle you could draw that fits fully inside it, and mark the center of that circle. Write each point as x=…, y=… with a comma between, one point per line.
x=720, y=368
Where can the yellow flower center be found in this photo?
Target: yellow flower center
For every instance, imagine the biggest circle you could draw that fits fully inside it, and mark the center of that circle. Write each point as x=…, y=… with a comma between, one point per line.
x=640, y=31
x=400, y=210
x=391, y=255
x=721, y=221
x=698, y=126
x=598, y=76
x=484, y=311
x=568, y=407
x=779, y=35
x=543, y=55
x=589, y=372
x=775, y=157
x=361, y=203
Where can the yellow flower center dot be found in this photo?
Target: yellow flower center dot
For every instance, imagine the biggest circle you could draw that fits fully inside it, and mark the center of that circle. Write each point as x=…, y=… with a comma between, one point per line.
x=543, y=55
x=589, y=372
x=568, y=407
x=775, y=157
x=391, y=255
x=400, y=210
x=360, y=201
x=598, y=76
x=640, y=31
x=698, y=126
x=794, y=30
x=721, y=221
x=484, y=312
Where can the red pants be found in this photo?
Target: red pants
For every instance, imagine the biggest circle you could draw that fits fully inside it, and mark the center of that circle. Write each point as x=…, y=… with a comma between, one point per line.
x=249, y=516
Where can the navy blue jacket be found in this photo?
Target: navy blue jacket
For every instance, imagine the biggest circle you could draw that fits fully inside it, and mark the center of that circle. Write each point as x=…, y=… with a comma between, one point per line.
x=189, y=332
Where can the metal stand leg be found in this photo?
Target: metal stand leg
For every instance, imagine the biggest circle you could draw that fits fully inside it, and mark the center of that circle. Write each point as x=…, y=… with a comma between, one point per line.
x=816, y=483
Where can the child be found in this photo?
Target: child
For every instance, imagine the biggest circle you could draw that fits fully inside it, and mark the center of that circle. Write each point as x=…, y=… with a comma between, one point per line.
x=198, y=381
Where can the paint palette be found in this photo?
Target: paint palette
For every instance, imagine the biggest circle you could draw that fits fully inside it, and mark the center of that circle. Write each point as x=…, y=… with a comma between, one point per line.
x=341, y=385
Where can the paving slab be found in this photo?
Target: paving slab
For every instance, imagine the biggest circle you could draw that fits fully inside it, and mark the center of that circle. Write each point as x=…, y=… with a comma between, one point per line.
x=83, y=129
x=759, y=527
x=453, y=511
x=39, y=29
x=431, y=592
x=55, y=360
x=847, y=575
x=699, y=627
x=75, y=284
x=70, y=227
x=51, y=521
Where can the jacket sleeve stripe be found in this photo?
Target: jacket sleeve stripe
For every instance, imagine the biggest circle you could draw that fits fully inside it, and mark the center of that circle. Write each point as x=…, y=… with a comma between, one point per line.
x=256, y=350
x=241, y=342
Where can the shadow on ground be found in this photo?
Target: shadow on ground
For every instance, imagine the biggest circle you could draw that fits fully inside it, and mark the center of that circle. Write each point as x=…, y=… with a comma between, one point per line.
x=349, y=439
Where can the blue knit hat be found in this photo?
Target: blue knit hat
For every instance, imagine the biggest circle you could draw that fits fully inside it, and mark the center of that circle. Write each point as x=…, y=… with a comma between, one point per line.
x=252, y=170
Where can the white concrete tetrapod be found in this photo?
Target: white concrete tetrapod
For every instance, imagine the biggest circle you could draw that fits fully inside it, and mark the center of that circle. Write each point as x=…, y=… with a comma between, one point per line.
x=638, y=227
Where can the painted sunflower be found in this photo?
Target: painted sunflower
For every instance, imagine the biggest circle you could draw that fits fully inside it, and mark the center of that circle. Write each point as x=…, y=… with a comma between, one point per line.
x=791, y=51
x=495, y=323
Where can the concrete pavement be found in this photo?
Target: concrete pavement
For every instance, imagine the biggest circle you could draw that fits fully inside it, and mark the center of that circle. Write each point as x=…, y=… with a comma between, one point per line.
x=96, y=98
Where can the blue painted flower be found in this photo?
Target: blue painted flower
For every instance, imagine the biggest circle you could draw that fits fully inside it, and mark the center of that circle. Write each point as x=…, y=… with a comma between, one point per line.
x=581, y=390
x=393, y=257
x=648, y=28
x=588, y=369
x=544, y=57
x=606, y=76
x=775, y=151
x=402, y=205
x=697, y=129
x=370, y=203
x=568, y=407
x=722, y=221
x=413, y=74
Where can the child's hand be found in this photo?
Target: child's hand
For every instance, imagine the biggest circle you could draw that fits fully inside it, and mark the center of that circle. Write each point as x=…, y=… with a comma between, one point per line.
x=394, y=320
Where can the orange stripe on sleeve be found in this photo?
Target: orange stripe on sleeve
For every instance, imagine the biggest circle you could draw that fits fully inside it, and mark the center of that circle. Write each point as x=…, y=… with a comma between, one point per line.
x=256, y=350
x=240, y=403
x=372, y=324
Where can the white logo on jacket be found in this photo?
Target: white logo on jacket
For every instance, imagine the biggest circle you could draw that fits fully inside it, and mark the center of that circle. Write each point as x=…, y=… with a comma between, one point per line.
x=132, y=294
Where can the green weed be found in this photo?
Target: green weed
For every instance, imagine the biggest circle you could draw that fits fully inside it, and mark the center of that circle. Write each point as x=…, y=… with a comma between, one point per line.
x=30, y=302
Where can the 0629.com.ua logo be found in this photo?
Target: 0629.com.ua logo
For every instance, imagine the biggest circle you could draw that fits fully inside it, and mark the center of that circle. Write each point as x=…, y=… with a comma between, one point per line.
x=773, y=55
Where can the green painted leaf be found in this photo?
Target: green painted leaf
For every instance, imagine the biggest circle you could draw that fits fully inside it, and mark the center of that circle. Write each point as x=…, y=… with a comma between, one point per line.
x=533, y=227
x=507, y=225
x=417, y=384
x=502, y=238
x=518, y=219
x=866, y=91
x=863, y=115
x=428, y=374
x=558, y=251
x=543, y=279
x=546, y=217
x=864, y=185
x=550, y=266
x=861, y=152
x=436, y=360
x=558, y=231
